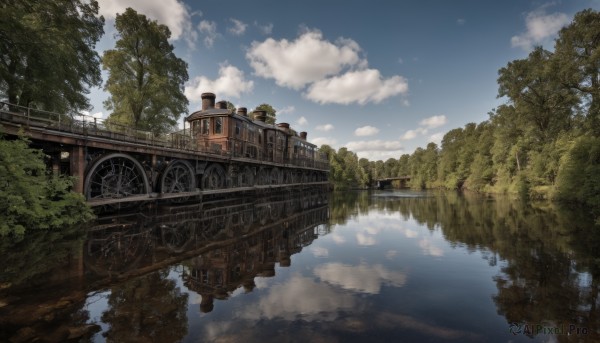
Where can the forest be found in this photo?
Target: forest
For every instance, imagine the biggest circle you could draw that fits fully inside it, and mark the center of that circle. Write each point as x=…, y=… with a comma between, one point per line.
x=542, y=142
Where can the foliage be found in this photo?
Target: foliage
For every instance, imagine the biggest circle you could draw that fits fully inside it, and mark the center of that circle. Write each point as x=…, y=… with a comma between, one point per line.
x=29, y=198
x=47, y=53
x=579, y=174
x=145, y=79
x=543, y=142
x=345, y=170
x=231, y=107
x=271, y=112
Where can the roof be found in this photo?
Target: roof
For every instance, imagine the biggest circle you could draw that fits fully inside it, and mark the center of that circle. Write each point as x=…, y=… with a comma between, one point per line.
x=208, y=112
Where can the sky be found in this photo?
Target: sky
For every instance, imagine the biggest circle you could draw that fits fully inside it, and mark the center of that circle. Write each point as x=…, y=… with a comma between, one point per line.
x=378, y=77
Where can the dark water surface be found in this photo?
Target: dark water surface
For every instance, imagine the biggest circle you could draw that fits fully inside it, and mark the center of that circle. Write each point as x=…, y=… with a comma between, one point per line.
x=311, y=267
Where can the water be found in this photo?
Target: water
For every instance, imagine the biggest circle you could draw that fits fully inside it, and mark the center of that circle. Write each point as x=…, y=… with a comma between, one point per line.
x=351, y=267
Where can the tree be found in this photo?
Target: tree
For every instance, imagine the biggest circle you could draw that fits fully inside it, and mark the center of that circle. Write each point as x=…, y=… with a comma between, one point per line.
x=543, y=105
x=47, y=53
x=271, y=112
x=145, y=77
x=231, y=107
x=31, y=199
x=578, y=54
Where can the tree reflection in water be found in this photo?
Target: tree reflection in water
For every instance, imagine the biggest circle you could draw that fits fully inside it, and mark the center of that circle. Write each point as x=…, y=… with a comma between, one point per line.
x=548, y=260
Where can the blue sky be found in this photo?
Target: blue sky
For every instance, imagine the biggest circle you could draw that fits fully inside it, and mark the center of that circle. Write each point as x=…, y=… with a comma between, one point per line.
x=379, y=77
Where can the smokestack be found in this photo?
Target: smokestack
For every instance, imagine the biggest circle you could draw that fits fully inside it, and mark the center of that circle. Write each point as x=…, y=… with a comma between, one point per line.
x=222, y=105
x=260, y=116
x=208, y=101
x=284, y=125
x=303, y=135
x=242, y=111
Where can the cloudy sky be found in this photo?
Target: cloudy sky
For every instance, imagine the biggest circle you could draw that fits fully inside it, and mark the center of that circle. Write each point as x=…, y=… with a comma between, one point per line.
x=378, y=77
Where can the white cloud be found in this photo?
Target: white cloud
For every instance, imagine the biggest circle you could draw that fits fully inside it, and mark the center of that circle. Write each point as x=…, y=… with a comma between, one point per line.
x=307, y=59
x=231, y=82
x=408, y=135
x=338, y=239
x=265, y=29
x=460, y=21
x=540, y=26
x=172, y=13
x=374, y=145
x=301, y=121
x=238, y=28
x=287, y=109
x=437, y=138
x=390, y=254
x=325, y=127
x=318, y=141
x=366, y=131
x=320, y=301
x=376, y=149
x=209, y=29
x=90, y=117
x=433, y=122
x=362, y=278
x=361, y=86
x=320, y=252
x=365, y=240
x=428, y=248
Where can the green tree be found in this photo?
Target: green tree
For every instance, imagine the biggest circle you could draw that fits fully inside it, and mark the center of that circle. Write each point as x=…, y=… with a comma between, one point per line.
x=31, y=199
x=231, y=107
x=271, y=112
x=577, y=52
x=145, y=79
x=543, y=105
x=47, y=53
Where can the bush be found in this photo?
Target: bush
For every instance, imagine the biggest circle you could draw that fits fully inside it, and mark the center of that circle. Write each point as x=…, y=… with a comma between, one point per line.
x=30, y=198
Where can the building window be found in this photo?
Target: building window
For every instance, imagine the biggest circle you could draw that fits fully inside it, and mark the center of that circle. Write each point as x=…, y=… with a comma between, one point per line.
x=250, y=131
x=238, y=129
x=260, y=134
x=205, y=126
x=218, y=126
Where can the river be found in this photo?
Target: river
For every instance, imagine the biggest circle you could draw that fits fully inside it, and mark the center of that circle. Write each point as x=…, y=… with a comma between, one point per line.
x=311, y=267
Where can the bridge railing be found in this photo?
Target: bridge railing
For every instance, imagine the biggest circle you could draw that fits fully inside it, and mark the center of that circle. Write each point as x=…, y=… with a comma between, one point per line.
x=89, y=125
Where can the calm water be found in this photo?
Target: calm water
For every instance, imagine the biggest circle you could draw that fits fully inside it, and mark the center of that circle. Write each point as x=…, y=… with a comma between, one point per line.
x=308, y=267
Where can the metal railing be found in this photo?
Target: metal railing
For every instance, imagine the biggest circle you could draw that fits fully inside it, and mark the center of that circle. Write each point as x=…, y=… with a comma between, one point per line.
x=87, y=125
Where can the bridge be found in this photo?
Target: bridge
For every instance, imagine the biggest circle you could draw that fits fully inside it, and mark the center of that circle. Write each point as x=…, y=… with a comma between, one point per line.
x=115, y=164
x=382, y=183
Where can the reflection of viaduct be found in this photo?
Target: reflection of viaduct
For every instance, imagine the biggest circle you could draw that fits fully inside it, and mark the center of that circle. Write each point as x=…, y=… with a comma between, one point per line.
x=226, y=243
x=387, y=182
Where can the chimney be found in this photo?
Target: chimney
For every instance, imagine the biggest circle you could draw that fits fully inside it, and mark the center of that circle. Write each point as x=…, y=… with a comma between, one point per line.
x=284, y=125
x=260, y=116
x=222, y=105
x=303, y=135
x=208, y=101
x=242, y=111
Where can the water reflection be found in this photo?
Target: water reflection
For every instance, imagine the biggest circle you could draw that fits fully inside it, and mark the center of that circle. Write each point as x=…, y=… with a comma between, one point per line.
x=311, y=267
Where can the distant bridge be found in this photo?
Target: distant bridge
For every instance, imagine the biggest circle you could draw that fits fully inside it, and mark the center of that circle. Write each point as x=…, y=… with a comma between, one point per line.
x=382, y=183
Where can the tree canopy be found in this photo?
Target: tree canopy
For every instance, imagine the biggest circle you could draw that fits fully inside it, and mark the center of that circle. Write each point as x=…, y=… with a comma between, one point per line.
x=145, y=79
x=47, y=53
x=271, y=112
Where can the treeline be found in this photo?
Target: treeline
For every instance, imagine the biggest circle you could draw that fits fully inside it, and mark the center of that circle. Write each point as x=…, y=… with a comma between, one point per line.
x=543, y=142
